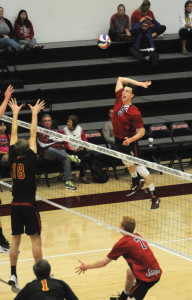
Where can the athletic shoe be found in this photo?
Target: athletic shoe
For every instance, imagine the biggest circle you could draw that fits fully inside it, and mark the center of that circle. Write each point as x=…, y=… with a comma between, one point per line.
x=4, y=245
x=75, y=159
x=120, y=297
x=155, y=202
x=70, y=186
x=14, y=284
x=136, y=186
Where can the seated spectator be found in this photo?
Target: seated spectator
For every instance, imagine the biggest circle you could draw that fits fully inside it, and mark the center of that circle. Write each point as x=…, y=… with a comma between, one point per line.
x=4, y=142
x=108, y=131
x=144, y=47
x=7, y=34
x=24, y=30
x=52, y=149
x=119, y=25
x=74, y=130
x=144, y=11
x=185, y=32
x=45, y=287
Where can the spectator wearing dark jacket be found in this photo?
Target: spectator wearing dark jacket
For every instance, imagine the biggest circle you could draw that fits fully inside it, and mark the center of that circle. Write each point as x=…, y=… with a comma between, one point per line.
x=144, y=48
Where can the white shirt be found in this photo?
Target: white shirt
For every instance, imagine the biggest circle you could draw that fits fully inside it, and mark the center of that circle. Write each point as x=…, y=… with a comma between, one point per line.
x=182, y=20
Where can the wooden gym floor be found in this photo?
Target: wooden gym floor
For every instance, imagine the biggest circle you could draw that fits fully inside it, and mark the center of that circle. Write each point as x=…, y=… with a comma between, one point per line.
x=67, y=238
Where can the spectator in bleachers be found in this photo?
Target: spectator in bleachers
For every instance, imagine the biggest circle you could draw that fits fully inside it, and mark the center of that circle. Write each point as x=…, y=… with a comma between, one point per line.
x=7, y=34
x=119, y=25
x=74, y=130
x=108, y=130
x=24, y=30
x=144, y=47
x=144, y=11
x=185, y=32
x=52, y=148
x=4, y=142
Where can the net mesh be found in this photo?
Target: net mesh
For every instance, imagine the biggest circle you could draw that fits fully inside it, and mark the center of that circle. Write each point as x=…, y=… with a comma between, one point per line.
x=169, y=227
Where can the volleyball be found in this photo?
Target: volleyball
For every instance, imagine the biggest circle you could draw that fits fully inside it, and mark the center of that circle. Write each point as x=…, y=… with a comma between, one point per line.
x=103, y=41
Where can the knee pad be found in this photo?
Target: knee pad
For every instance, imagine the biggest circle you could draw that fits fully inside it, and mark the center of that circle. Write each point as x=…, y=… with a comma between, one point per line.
x=128, y=163
x=142, y=170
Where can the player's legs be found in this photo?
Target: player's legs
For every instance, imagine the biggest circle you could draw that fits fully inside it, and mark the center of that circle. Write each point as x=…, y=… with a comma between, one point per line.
x=36, y=247
x=140, y=289
x=4, y=244
x=14, y=250
x=130, y=278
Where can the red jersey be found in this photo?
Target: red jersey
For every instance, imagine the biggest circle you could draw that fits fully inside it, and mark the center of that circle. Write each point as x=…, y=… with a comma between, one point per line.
x=136, y=16
x=125, y=119
x=137, y=252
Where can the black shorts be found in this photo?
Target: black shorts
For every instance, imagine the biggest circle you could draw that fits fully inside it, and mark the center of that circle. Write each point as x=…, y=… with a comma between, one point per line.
x=140, y=289
x=130, y=150
x=25, y=218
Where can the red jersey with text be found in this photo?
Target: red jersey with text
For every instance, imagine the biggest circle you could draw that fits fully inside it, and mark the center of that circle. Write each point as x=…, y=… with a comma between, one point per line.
x=137, y=252
x=126, y=119
x=23, y=174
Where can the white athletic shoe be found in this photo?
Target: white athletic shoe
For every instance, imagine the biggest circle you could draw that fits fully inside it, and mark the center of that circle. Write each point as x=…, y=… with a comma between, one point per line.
x=14, y=284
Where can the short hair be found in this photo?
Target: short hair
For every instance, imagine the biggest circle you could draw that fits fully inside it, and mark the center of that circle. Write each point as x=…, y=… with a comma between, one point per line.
x=46, y=116
x=74, y=119
x=128, y=223
x=42, y=269
x=120, y=6
x=146, y=21
x=133, y=87
x=21, y=146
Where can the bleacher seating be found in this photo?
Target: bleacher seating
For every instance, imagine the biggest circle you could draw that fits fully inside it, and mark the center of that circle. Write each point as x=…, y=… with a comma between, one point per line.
x=79, y=78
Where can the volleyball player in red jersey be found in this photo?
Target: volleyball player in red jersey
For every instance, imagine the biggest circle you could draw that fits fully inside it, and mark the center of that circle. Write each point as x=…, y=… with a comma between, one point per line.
x=127, y=129
x=144, y=267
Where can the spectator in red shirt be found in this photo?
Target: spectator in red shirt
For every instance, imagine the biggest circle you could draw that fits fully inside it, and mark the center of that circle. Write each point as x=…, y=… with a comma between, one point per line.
x=24, y=30
x=144, y=11
x=119, y=25
x=127, y=129
x=143, y=266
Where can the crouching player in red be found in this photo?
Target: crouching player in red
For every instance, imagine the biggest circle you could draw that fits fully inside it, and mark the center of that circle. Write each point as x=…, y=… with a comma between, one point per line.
x=144, y=271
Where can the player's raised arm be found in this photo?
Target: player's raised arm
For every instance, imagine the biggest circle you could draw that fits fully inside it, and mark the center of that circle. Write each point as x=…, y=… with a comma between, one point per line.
x=15, y=109
x=33, y=130
x=121, y=81
x=8, y=94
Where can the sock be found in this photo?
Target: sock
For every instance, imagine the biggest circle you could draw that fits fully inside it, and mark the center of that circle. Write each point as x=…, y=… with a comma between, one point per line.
x=126, y=293
x=134, y=174
x=13, y=270
x=151, y=189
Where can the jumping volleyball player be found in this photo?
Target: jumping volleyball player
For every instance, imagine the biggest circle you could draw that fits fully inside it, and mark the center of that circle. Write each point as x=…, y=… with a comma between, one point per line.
x=127, y=129
x=24, y=211
x=144, y=267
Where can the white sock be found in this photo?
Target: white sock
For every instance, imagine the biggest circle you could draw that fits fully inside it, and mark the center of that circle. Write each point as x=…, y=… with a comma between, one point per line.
x=151, y=187
x=134, y=174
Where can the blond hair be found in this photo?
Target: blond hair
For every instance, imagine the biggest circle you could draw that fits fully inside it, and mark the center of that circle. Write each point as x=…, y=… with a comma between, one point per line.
x=128, y=223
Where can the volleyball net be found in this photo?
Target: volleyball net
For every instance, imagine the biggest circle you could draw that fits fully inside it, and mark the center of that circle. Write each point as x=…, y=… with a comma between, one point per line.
x=169, y=227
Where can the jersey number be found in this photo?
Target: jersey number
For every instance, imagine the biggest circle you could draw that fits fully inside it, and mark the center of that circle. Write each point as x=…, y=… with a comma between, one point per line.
x=44, y=285
x=18, y=171
x=142, y=244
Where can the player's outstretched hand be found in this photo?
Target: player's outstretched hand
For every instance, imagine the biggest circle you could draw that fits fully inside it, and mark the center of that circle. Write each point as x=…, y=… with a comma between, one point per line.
x=37, y=107
x=81, y=268
x=145, y=84
x=13, y=104
x=9, y=92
